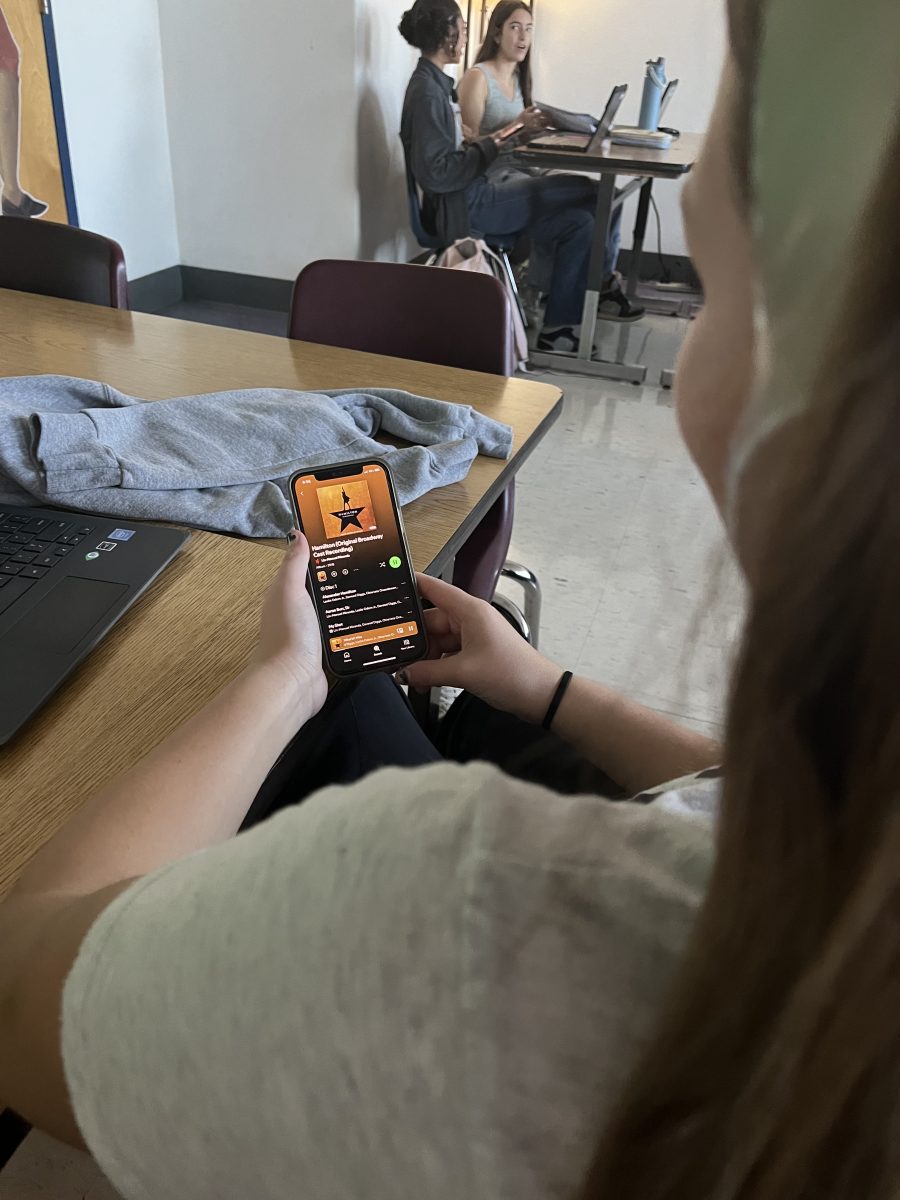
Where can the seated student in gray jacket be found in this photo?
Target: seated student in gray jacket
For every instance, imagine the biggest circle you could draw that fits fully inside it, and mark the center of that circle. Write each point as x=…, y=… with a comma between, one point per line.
x=461, y=198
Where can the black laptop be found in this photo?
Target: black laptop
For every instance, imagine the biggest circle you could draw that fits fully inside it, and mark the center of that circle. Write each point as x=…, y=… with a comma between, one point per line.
x=65, y=580
x=587, y=143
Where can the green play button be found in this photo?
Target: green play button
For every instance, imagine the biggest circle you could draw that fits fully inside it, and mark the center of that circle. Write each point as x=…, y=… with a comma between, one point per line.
x=396, y=562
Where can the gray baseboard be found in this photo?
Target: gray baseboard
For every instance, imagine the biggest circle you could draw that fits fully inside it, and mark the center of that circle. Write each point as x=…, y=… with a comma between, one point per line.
x=163, y=289
x=228, y=287
x=156, y=292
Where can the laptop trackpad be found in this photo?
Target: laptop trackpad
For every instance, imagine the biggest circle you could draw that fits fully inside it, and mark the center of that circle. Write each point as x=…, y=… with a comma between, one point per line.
x=59, y=621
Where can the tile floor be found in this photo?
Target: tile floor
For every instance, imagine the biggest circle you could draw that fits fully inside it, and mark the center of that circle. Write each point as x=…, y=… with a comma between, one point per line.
x=640, y=588
x=640, y=591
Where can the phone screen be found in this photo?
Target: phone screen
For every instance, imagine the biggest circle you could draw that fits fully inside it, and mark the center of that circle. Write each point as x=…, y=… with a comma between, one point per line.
x=510, y=131
x=361, y=576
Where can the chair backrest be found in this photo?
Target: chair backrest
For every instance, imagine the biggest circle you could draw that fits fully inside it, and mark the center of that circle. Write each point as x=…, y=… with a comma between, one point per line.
x=57, y=260
x=431, y=314
x=417, y=222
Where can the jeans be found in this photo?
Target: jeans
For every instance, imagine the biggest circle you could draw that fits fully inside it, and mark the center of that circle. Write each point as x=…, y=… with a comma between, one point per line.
x=558, y=213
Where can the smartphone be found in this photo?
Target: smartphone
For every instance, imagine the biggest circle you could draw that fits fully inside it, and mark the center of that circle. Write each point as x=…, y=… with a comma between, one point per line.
x=509, y=132
x=360, y=572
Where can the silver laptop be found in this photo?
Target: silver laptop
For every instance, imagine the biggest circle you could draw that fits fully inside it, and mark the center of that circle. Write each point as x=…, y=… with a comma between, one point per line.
x=585, y=143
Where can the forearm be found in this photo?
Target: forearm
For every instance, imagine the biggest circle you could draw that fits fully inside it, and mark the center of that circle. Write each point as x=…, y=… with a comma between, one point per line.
x=191, y=792
x=437, y=164
x=454, y=170
x=634, y=745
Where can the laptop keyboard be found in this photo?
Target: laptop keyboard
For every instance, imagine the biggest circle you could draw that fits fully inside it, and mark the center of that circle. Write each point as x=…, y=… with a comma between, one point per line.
x=30, y=547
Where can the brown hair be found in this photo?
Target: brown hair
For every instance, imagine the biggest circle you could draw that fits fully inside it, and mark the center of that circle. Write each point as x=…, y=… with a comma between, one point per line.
x=491, y=44
x=775, y=1071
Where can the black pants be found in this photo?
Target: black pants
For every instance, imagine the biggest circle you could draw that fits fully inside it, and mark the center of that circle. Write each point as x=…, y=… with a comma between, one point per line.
x=368, y=724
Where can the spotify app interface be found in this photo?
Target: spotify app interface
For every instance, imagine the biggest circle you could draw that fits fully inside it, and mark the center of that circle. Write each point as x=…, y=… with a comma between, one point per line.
x=362, y=581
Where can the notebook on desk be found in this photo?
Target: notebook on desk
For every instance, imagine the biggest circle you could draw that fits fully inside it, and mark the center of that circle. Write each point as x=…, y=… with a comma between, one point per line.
x=65, y=580
x=584, y=142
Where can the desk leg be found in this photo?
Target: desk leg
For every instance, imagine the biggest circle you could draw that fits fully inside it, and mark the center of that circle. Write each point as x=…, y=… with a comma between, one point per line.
x=583, y=362
x=640, y=232
x=606, y=194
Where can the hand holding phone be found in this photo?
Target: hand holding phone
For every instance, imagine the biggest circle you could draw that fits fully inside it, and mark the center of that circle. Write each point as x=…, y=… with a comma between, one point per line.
x=360, y=572
x=289, y=637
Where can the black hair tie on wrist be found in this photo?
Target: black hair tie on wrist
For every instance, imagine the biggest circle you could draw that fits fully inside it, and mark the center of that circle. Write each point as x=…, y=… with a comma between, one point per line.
x=557, y=699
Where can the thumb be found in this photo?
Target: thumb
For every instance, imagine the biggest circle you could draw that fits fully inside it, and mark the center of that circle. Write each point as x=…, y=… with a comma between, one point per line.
x=451, y=600
x=296, y=559
x=431, y=672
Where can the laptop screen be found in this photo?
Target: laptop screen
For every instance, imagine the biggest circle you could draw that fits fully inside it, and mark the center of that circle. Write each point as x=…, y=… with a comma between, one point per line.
x=667, y=96
x=605, y=124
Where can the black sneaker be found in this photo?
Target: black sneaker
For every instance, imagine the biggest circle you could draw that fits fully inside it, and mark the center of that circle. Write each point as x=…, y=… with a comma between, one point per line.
x=614, y=305
x=558, y=341
x=27, y=207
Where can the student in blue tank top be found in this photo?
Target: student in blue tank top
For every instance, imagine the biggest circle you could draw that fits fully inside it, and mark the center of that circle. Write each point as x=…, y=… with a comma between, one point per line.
x=496, y=92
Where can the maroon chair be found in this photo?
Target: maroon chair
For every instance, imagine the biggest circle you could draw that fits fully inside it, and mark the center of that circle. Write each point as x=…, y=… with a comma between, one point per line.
x=58, y=260
x=430, y=314
x=452, y=318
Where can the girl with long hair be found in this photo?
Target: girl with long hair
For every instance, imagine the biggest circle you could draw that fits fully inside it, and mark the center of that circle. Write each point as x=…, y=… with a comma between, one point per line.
x=496, y=92
x=443, y=981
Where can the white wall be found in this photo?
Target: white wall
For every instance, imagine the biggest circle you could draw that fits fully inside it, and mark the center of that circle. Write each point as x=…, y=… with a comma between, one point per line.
x=583, y=49
x=261, y=108
x=384, y=63
x=111, y=70
x=255, y=138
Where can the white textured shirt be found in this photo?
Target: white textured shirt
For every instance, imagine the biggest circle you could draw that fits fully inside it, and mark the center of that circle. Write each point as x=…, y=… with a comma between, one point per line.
x=430, y=984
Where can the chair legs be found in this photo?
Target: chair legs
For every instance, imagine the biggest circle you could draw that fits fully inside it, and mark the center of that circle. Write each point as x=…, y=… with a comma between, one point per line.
x=531, y=586
x=511, y=281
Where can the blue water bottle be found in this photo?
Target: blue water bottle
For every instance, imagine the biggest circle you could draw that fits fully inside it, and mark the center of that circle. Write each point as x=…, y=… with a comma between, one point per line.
x=654, y=86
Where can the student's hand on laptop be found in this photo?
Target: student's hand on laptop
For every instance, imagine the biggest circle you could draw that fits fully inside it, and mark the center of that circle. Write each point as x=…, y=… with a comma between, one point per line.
x=473, y=646
x=289, y=644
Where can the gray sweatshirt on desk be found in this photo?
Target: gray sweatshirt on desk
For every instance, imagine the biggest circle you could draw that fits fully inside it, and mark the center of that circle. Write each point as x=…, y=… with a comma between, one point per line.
x=220, y=461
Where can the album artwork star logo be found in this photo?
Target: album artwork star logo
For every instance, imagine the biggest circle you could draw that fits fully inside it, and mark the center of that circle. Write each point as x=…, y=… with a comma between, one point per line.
x=346, y=508
x=348, y=517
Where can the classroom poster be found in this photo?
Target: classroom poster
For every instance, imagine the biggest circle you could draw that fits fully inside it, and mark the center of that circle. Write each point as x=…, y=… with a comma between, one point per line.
x=31, y=175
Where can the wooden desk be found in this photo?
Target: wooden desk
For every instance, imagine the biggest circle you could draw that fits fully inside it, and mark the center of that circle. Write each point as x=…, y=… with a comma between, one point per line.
x=196, y=626
x=182, y=641
x=643, y=166
x=158, y=357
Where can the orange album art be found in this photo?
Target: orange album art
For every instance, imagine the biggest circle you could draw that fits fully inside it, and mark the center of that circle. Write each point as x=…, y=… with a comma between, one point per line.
x=346, y=508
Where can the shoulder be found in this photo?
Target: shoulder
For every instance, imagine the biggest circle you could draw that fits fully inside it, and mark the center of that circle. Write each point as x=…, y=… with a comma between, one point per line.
x=474, y=82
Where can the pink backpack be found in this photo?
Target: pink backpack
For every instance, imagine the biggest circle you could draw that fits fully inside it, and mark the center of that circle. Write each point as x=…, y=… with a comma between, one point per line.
x=472, y=254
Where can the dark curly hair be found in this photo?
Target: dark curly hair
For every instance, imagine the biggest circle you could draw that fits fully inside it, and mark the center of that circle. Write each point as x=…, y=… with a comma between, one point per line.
x=429, y=23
